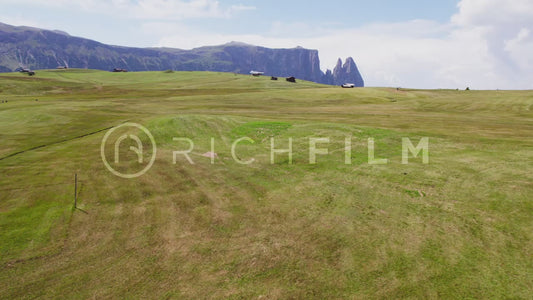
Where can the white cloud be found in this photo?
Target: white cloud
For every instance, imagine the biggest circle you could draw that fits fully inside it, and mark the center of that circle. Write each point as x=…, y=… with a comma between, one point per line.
x=145, y=9
x=506, y=26
x=241, y=7
x=488, y=44
x=385, y=56
x=176, y=10
x=21, y=20
x=494, y=13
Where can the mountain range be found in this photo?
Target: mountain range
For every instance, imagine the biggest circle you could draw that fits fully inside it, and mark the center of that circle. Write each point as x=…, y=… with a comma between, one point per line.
x=35, y=48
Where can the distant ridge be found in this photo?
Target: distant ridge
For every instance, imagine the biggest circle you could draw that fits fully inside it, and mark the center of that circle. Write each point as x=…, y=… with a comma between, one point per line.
x=34, y=48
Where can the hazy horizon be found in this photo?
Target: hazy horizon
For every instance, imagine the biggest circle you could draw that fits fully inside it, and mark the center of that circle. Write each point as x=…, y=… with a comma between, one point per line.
x=449, y=44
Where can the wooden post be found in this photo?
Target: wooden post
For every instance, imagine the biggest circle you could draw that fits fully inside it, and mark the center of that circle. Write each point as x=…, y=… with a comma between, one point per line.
x=76, y=190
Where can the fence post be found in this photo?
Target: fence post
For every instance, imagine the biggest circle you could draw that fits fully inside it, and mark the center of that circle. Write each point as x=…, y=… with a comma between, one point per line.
x=76, y=190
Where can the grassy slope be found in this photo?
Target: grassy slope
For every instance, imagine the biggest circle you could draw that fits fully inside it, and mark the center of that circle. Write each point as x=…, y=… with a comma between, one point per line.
x=307, y=231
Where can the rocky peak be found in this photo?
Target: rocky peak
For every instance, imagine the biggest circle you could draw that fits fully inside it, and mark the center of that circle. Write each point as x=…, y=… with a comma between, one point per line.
x=349, y=65
x=328, y=78
x=338, y=66
x=346, y=73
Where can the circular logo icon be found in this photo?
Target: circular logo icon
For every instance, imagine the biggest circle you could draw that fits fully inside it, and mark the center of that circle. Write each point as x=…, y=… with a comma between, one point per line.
x=138, y=149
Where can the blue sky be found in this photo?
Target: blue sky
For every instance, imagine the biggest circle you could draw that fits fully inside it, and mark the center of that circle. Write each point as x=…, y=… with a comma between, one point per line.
x=416, y=43
x=257, y=17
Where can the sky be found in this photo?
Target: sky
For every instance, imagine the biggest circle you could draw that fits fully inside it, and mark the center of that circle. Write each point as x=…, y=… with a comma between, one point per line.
x=481, y=44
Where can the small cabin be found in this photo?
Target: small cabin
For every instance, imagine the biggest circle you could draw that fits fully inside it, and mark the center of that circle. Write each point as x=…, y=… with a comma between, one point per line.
x=256, y=73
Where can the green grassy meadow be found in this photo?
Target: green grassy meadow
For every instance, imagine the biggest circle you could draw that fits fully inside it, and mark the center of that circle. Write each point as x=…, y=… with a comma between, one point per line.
x=460, y=227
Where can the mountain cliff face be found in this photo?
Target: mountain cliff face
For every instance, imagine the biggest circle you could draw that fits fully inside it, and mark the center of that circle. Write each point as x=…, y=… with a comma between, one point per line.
x=45, y=49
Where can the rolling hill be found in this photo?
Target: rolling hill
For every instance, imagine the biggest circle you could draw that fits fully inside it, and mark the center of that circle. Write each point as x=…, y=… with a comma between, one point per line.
x=460, y=227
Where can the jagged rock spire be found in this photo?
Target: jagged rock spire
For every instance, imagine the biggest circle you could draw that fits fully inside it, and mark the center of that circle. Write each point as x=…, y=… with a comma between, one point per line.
x=345, y=73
